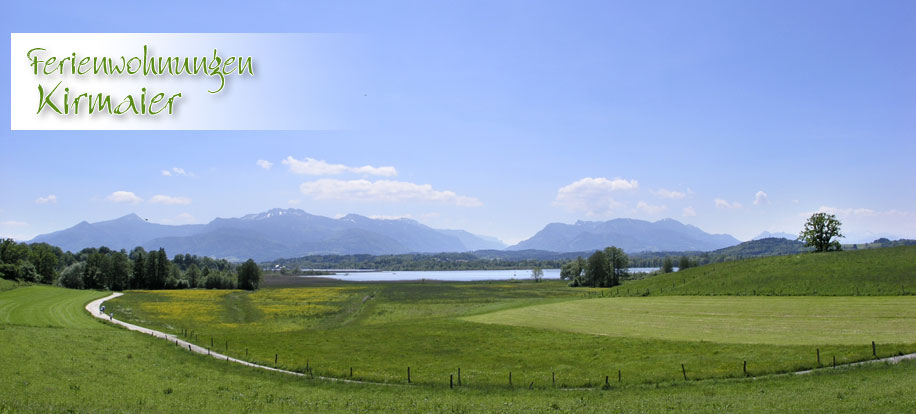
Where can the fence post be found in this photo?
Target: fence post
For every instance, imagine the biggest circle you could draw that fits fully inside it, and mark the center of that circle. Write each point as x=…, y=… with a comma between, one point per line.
x=510, y=378
x=189, y=347
x=450, y=380
x=276, y=357
x=408, y=375
x=745, y=368
x=874, y=352
x=684, y=371
x=818, y=357
x=351, y=372
x=618, y=376
x=553, y=378
x=834, y=361
x=606, y=382
x=459, y=376
x=211, y=342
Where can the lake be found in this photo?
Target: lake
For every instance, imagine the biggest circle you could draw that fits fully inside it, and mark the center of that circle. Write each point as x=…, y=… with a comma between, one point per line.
x=452, y=275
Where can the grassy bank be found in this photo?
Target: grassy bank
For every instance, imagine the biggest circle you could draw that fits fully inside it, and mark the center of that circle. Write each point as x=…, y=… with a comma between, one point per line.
x=873, y=272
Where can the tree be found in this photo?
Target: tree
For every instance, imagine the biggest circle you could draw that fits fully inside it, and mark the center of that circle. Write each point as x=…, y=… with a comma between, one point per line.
x=596, y=270
x=667, y=265
x=537, y=274
x=683, y=263
x=72, y=276
x=822, y=231
x=249, y=275
x=618, y=265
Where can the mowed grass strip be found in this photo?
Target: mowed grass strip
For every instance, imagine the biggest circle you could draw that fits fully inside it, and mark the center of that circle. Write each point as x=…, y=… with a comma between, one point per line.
x=740, y=320
x=48, y=306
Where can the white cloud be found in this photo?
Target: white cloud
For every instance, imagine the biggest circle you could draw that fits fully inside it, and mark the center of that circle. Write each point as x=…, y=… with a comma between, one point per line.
x=593, y=195
x=689, y=212
x=293, y=202
x=168, y=200
x=761, y=198
x=720, y=203
x=264, y=164
x=650, y=209
x=382, y=190
x=50, y=199
x=13, y=223
x=124, y=197
x=663, y=193
x=311, y=166
x=177, y=171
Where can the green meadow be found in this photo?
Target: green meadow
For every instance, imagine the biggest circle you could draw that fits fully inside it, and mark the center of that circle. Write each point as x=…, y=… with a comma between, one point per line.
x=773, y=320
x=560, y=344
x=544, y=334
x=873, y=272
x=65, y=367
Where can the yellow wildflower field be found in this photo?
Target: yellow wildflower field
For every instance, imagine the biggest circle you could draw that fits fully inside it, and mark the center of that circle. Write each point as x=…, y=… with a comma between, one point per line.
x=184, y=305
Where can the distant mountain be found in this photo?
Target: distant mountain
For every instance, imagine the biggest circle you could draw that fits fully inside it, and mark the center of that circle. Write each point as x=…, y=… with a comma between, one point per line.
x=778, y=235
x=629, y=234
x=475, y=242
x=125, y=232
x=270, y=235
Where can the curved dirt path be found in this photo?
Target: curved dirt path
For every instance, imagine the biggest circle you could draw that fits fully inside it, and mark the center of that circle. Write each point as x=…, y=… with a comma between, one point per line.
x=93, y=309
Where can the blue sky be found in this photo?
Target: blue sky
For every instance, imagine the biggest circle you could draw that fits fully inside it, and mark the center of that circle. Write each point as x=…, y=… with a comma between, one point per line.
x=499, y=117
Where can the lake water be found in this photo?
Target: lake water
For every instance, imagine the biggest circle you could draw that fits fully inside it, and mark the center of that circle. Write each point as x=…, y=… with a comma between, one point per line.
x=453, y=275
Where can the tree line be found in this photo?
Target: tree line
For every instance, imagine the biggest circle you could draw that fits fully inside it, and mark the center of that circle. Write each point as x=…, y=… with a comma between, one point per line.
x=104, y=268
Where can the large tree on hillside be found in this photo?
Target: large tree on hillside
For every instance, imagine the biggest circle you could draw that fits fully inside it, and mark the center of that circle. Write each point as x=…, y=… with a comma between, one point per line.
x=822, y=232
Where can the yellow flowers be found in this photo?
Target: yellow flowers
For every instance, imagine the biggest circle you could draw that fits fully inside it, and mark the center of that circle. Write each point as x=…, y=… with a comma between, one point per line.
x=280, y=308
x=300, y=302
x=185, y=305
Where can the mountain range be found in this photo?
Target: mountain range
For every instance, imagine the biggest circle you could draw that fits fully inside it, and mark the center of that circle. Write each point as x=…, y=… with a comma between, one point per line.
x=631, y=235
x=273, y=234
x=287, y=233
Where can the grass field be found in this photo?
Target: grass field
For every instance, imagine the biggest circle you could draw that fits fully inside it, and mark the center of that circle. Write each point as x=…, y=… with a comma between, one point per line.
x=770, y=320
x=875, y=272
x=381, y=329
x=47, y=306
x=68, y=368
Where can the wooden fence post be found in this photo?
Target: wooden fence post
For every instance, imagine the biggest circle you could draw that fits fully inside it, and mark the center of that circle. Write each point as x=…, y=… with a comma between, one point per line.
x=745, y=368
x=874, y=351
x=450, y=380
x=618, y=376
x=684, y=371
x=510, y=378
x=276, y=357
x=459, y=376
x=834, y=361
x=818, y=357
x=553, y=378
x=408, y=375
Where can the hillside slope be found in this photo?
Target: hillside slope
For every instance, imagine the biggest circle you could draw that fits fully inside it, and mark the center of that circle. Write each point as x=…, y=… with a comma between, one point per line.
x=890, y=271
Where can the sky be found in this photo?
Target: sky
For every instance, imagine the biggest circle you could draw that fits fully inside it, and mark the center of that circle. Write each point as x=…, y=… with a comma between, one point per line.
x=500, y=117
